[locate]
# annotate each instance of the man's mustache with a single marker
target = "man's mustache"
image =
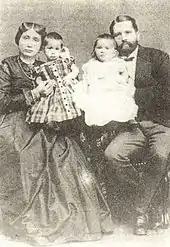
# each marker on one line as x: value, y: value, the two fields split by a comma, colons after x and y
x: 126, y: 43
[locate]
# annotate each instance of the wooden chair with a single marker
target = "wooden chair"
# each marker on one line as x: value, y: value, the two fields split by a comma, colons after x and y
x: 94, y: 145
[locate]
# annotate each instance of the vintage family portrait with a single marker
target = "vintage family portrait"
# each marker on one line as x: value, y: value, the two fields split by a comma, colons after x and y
x: 84, y: 123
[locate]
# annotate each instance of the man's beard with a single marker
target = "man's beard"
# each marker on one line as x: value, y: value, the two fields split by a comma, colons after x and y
x: 128, y: 49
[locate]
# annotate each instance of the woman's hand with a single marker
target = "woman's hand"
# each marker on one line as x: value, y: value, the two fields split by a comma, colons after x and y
x: 44, y: 88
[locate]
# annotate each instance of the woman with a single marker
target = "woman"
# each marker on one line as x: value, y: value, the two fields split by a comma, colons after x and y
x: 45, y: 186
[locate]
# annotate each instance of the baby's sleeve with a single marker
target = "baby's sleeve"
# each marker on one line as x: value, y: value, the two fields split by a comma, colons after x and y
x: 65, y: 53
x: 86, y: 72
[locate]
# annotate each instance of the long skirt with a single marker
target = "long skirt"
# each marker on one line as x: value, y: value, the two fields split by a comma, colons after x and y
x: 46, y: 187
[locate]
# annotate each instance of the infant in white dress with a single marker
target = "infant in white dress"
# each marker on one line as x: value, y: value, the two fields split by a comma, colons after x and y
x: 106, y: 92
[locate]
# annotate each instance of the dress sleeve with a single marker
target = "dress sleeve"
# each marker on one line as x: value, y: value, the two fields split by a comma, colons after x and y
x: 9, y: 101
x: 68, y: 58
x: 85, y: 72
x: 72, y: 60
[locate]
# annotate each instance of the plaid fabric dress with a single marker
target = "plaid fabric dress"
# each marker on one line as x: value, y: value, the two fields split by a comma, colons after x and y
x: 59, y: 105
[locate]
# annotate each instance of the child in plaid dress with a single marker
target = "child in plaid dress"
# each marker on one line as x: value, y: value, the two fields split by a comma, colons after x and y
x: 60, y: 67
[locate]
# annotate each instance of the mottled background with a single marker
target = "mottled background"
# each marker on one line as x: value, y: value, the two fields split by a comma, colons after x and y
x: 80, y: 21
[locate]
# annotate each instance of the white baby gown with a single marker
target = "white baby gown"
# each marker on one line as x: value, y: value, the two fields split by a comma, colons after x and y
x: 106, y: 93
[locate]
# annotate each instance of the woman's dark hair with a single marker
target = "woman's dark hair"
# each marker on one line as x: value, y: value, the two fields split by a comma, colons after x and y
x: 25, y: 26
x: 52, y: 35
x: 121, y: 18
x: 102, y: 36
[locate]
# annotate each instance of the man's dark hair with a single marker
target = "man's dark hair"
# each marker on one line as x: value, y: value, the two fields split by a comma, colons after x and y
x: 121, y: 18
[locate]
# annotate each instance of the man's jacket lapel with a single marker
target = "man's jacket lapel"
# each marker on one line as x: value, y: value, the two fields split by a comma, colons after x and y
x: 143, y: 69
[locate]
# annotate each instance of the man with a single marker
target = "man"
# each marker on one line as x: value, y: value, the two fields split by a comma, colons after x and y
x: 149, y: 69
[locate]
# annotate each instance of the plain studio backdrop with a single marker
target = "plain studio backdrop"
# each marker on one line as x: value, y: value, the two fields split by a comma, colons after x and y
x: 81, y: 21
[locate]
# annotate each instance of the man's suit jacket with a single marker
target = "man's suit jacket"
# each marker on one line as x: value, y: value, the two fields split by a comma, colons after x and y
x: 152, y: 82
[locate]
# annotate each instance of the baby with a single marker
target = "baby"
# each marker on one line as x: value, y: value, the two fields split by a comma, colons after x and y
x: 106, y: 92
x: 60, y: 67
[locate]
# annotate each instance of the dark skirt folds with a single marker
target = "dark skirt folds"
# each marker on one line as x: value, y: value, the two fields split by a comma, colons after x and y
x: 46, y: 187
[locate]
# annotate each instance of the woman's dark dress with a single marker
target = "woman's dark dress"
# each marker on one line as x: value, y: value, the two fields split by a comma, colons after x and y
x: 46, y: 188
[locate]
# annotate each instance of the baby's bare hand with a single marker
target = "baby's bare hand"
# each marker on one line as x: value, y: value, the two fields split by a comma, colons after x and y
x: 48, y: 88
x: 67, y: 79
x: 44, y: 88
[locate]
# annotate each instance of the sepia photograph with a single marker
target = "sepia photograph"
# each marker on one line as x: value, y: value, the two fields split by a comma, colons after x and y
x: 85, y: 123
